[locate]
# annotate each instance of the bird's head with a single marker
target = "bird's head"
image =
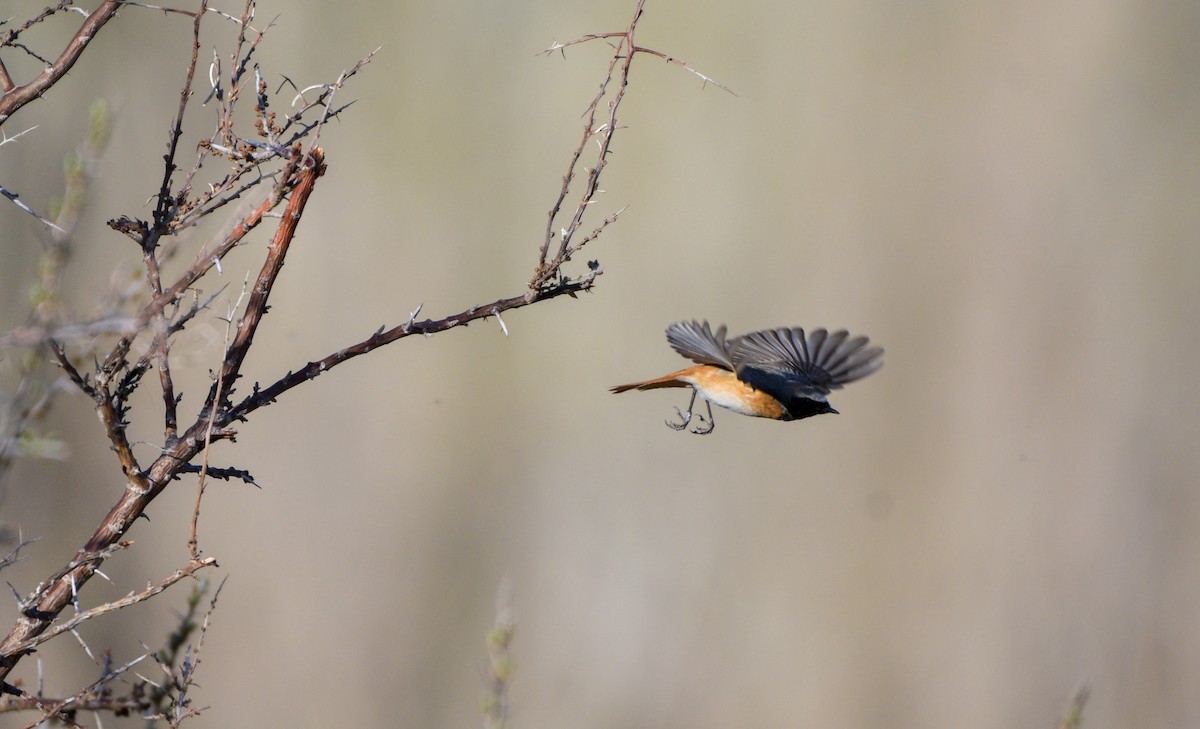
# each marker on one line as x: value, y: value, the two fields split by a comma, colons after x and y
x: 806, y: 407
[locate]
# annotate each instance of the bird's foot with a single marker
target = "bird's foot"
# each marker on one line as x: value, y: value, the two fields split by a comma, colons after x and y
x: 684, y: 419
x: 700, y: 429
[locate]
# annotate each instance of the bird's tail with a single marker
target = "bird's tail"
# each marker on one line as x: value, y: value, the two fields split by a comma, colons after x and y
x: 664, y: 381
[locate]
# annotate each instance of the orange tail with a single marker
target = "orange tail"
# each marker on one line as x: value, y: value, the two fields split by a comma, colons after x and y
x: 664, y: 381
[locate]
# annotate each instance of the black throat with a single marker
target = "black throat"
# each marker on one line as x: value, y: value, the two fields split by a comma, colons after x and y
x: 802, y: 407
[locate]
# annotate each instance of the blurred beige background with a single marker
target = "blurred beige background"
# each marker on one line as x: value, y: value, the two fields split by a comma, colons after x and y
x: 1004, y: 196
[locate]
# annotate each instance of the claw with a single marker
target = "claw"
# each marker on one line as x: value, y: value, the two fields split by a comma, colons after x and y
x: 686, y: 418
x: 712, y: 423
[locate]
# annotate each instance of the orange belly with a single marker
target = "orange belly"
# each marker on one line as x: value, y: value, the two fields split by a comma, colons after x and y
x: 722, y: 387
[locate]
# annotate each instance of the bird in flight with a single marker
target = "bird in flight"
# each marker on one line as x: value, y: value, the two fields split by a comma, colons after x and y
x: 783, y: 373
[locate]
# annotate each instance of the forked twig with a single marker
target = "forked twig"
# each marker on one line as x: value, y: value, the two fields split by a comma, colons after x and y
x: 625, y: 49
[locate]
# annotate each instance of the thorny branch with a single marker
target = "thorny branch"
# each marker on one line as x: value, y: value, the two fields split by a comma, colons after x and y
x: 95, y: 697
x: 549, y: 280
x: 148, y: 698
x: 170, y: 697
x: 16, y: 200
x: 278, y: 160
x: 114, y: 380
x: 193, y: 540
x: 132, y: 598
x: 624, y: 51
x: 14, y: 97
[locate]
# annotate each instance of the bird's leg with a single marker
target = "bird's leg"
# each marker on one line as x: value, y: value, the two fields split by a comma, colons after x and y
x: 701, y: 430
x: 684, y: 417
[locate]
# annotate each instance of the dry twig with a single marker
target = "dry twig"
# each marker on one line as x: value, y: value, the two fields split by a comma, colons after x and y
x: 14, y: 96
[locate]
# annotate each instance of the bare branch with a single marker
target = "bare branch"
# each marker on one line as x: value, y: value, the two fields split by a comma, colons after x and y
x: 429, y: 327
x: 284, y: 155
x: 165, y: 208
x: 181, y: 11
x: 14, y: 554
x: 52, y: 596
x: 14, y: 197
x: 547, y: 268
x: 133, y: 598
x: 312, y: 167
x: 170, y: 700
x: 556, y: 46
x: 323, y: 101
x: 683, y: 64
x: 222, y: 473
x: 624, y: 50
x: 193, y: 540
x: 88, y: 698
x: 17, y: 96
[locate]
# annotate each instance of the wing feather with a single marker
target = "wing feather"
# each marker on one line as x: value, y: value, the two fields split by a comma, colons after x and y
x: 786, y: 363
x: 697, y: 341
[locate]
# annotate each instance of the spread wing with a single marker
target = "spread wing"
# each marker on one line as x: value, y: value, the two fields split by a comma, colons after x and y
x: 786, y: 364
x: 697, y: 342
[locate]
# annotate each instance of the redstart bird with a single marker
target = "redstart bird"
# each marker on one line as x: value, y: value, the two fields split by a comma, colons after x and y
x: 782, y: 373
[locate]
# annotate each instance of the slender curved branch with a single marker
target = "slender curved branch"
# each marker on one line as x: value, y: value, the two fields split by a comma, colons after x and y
x: 429, y: 327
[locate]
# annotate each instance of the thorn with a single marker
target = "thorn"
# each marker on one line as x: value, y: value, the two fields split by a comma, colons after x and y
x: 503, y: 326
x: 214, y: 70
